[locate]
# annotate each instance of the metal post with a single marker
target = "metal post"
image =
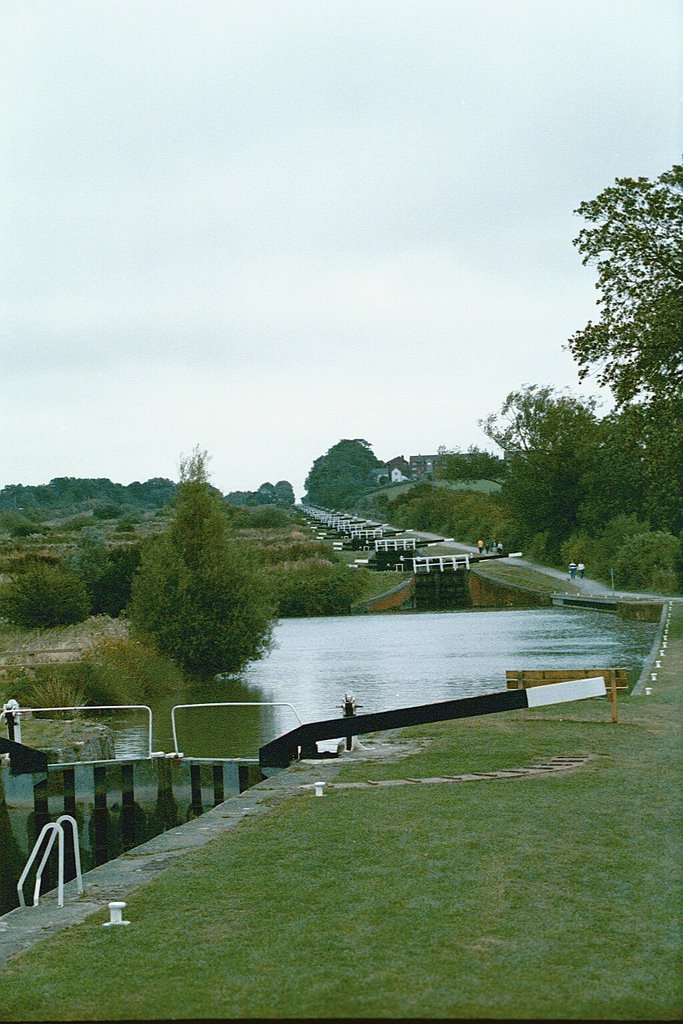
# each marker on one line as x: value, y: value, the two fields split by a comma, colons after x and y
x: 13, y: 720
x: 349, y: 706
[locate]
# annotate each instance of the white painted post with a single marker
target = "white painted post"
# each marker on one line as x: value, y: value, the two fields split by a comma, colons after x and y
x: 116, y: 908
x: 319, y: 787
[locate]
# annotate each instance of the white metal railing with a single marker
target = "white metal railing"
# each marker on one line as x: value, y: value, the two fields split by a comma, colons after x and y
x: 394, y: 544
x: 230, y: 704
x: 57, y: 832
x: 97, y: 707
x: 424, y: 563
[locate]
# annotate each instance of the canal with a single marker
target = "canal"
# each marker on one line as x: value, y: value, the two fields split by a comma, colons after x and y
x: 387, y: 661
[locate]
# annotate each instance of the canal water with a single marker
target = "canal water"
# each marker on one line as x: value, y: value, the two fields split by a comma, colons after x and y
x: 387, y: 661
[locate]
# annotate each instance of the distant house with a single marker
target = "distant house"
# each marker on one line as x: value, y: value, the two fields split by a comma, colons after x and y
x: 398, y: 469
x: 424, y: 467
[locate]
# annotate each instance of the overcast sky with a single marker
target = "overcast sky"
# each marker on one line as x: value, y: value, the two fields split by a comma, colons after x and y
x: 263, y: 226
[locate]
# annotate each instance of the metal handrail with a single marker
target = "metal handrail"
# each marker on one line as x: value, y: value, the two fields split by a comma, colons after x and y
x: 231, y: 704
x: 57, y: 830
x: 98, y: 707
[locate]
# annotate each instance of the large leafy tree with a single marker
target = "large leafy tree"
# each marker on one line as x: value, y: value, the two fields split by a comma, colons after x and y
x: 550, y: 441
x: 634, y: 238
x: 199, y: 597
x: 341, y: 475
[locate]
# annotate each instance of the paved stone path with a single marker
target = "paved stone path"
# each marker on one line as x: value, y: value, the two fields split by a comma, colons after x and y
x: 552, y: 764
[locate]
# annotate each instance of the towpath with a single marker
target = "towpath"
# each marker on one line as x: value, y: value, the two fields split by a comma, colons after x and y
x: 585, y: 586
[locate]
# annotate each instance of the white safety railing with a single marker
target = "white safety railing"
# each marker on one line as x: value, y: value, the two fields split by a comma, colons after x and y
x: 230, y: 704
x: 97, y: 707
x: 396, y: 544
x: 424, y: 563
x: 56, y: 830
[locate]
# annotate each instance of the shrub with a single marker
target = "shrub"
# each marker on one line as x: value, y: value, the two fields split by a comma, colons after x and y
x: 316, y: 588
x: 129, y: 672
x: 56, y: 689
x: 110, y: 593
x: 269, y: 517
x: 107, y: 511
x: 117, y: 671
x: 649, y: 561
x: 45, y: 596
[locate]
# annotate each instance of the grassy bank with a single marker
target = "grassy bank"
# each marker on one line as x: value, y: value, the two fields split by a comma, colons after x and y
x: 537, y: 897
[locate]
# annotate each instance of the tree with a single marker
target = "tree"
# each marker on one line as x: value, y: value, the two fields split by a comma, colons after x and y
x: 284, y: 493
x: 636, y: 243
x: 341, y: 475
x: 200, y: 598
x: 472, y: 465
x: 551, y: 439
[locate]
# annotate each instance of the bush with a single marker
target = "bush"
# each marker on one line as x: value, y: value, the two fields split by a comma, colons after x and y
x: 268, y: 517
x: 649, y: 561
x: 316, y: 588
x: 45, y: 596
x: 110, y: 593
x: 107, y: 511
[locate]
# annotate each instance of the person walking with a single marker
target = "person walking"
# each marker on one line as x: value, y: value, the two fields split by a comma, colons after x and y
x: 581, y: 570
x: 572, y: 569
x: 480, y: 545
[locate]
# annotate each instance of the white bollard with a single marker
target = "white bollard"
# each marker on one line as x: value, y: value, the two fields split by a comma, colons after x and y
x: 319, y: 787
x: 648, y: 691
x: 116, y: 909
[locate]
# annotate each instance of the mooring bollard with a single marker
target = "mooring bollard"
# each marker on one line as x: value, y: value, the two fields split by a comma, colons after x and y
x: 116, y: 909
x: 648, y: 691
x: 319, y: 787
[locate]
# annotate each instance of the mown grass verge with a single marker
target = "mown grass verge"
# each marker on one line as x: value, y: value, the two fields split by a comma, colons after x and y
x: 523, y: 576
x: 541, y: 897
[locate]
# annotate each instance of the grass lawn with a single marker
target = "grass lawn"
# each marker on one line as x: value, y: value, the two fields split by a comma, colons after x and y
x: 540, y: 897
x: 524, y: 576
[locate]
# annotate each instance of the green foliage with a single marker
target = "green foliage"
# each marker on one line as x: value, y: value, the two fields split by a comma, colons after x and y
x: 641, y: 558
x: 635, y: 240
x: 44, y: 595
x: 267, y: 517
x: 282, y: 493
x: 106, y: 572
x: 106, y: 510
x: 552, y: 440
x: 73, y: 492
x: 89, y: 559
x: 464, y: 515
x: 116, y: 671
x: 649, y: 561
x: 203, y: 601
x: 316, y: 587
x: 111, y: 592
x: 128, y: 671
x: 472, y: 465
x: 342, y: 474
